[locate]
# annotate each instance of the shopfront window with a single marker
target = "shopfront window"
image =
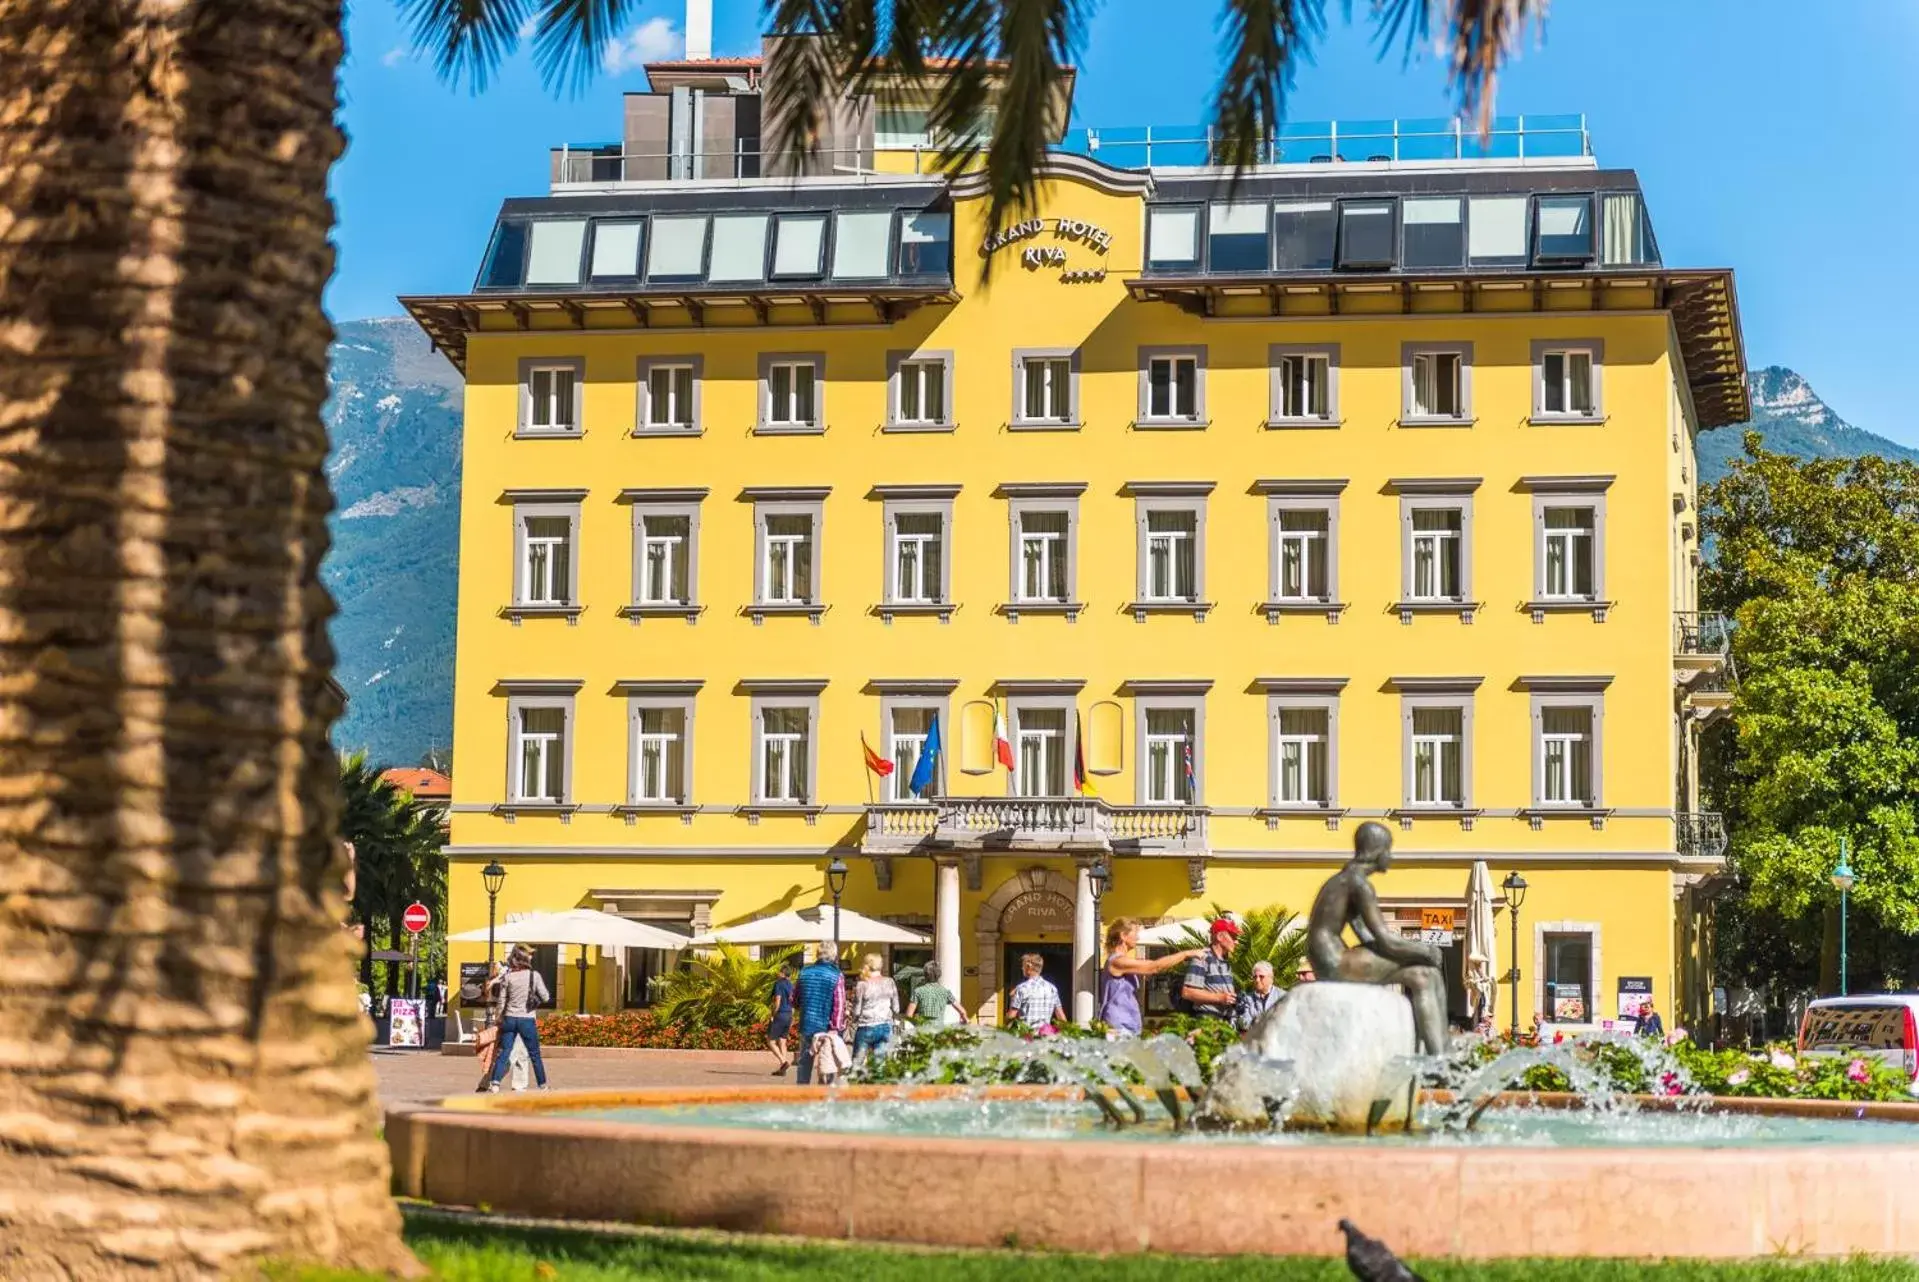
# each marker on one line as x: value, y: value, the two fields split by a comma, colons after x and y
x: 1569, y: 977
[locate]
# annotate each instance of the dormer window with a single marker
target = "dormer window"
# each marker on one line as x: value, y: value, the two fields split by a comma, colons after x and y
x: 1565, y: 229
x: 1366, y: 234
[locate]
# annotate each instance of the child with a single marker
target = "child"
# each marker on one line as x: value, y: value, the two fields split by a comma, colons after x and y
x: 1035, y: 1001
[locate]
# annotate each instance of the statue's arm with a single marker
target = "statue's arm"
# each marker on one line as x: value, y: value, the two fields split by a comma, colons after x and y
x: 1388, y: 942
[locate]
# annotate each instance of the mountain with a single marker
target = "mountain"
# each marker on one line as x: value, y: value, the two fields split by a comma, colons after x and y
x: 1793, y: 420
x: 393, y: 414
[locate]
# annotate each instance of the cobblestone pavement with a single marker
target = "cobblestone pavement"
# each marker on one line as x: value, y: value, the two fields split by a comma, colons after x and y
x: 420, y: 1076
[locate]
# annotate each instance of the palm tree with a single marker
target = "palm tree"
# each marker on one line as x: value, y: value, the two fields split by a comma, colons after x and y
x: 1271, y: 934
x: 187, y: 1085
x: 723, y: 989
x: 401, y: 853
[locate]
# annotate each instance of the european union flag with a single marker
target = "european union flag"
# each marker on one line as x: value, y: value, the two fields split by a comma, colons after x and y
x: 926, y: 768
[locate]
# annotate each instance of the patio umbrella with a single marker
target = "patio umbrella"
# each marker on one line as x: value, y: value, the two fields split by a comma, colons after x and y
x: 810, y: 926
x: 1172, y: 934
x: 585, y: 926
x: 1480, y: 944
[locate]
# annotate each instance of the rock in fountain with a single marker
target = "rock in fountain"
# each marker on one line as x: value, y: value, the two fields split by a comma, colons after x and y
x: 1341, y: 1039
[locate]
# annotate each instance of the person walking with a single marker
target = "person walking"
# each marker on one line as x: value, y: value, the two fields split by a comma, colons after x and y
x: 1264, y: 995
x: 1209, y: 988
x: 876, y: 1004
x: 522, y: 991
x: 1035, y: 999
x: 819, y: 1003
x: 1120, y: 1007
x: 781, y: 1025
x: 933, y: 1002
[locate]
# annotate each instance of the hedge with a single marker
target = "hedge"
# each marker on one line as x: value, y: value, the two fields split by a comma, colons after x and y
x: 642, y: 1030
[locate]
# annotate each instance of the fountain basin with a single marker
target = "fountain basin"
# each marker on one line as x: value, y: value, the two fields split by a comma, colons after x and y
x: 658, y: 1159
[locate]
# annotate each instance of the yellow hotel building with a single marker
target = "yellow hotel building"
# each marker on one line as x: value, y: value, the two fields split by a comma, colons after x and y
x: 1364, y: 489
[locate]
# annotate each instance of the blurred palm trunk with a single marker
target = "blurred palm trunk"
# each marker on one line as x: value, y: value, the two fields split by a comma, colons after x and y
x: 184, y: 1084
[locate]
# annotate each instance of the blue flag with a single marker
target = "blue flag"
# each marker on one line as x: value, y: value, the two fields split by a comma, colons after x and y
x: 926, y: 767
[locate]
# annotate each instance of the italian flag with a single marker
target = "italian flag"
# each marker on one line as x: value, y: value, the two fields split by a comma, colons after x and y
x: 1002, y: 745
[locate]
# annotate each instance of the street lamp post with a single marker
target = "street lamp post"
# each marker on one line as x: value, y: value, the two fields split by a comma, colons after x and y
x: 1842, y: 877
x: 1515, y: 888
x: 494, y: 877
x: 1099, y: 879
x: 836, y: 883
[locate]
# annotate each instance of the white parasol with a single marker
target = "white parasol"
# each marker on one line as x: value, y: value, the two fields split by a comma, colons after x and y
x: 584, y: 926
x: 810, y: 926
x: 1480, y: 944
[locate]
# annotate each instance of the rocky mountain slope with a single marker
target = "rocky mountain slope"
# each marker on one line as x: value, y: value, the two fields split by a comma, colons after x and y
x: 1793, y: 420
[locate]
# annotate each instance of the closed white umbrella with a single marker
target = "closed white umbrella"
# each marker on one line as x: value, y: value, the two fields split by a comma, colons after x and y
x: 810, y: 926
x: 1481, y: 947
x: 584, y: 926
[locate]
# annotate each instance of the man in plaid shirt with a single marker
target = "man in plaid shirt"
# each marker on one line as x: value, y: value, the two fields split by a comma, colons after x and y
x: 1035, y: 1001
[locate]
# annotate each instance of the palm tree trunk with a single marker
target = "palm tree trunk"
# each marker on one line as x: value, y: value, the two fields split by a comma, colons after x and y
x: 184, y: 1085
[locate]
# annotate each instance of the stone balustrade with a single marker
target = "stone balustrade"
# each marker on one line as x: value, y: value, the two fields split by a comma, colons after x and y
x: 1030, y: 823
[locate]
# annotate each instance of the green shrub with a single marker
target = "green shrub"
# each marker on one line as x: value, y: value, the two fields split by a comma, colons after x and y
x: 725, y: 988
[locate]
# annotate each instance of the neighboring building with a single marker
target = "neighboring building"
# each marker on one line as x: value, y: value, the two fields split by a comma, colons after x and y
x: 427, y: 786
x: 1363, y: 489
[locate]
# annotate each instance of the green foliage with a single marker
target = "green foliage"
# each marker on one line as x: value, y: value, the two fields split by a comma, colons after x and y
x: 399, y: 852
x: 725, y: 988
x: 644, y: 1030
x: 1272, y: 934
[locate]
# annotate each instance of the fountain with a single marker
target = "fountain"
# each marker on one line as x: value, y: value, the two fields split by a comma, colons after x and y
x: 1340, y: 1102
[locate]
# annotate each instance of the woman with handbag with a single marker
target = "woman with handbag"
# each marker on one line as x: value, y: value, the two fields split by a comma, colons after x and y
x: 870, y: 1015
x: 522, y: 992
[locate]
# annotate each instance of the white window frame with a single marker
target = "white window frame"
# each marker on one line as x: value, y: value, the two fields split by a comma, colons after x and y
x: 902, y: 365
x: 922, y: 696
x: 562, y: 505
x: 1017, y: 708
x: 649, y: 504
x: 1188, y: 697
x: 539, y: 695
x: 1589, y: 695
x: 690, y: 422
x: 1021, y: 500
x: 1054, y: 355
x: 1409, y: 414
x: 1277, y: 357
x: 1421, y: 694
x: 1173, y: 358
x: 1302, y: 694
x: 1426, y: 494
x: 916, y: 500
x: 771, y: 426
x: 1183, y: 497
x: 802, y: 695
x: 1312, y: 496
x: 531, y: 366
x: 1568, y: 492
x: 770, y: 502
x: 672, y: 696
x: 1594, y: 350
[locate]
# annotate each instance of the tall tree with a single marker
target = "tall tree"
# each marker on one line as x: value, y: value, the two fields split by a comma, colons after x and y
x: 1818, y: 561
x: 401, y: 849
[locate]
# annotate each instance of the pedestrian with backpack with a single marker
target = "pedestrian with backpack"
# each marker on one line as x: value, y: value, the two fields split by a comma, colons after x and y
x: 1209, y: 988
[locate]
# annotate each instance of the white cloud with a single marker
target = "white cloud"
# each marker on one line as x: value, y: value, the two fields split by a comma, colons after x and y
x: 654, y: 40
x: 394, y: 56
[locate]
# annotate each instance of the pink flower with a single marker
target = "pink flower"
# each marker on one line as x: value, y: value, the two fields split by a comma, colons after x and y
x: 1558, y: 1038
x: 1739, y: 1077
x: 1781, y: 1059
x: 1669, y: 1084
x: 1858, y: 1072
x: 1676, y: 1036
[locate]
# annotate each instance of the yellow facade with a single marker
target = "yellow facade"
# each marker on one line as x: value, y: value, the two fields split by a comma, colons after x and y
x: 1612, y: 870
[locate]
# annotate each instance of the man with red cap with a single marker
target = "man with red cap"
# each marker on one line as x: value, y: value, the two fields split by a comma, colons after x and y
x: 1208, y: 987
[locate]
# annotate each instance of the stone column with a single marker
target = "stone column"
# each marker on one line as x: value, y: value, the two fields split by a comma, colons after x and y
x: 1085, y: 947
x: 946, y: 923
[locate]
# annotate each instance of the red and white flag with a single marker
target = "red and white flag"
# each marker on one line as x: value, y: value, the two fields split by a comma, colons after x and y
x: 1002, y: 746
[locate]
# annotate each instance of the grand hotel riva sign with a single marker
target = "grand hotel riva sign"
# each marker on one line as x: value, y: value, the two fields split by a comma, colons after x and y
x: 1074, y: 231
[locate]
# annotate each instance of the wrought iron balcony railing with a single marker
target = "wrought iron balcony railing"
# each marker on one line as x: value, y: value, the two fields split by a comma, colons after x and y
x: 1700, y: 834
x: 1031, y: 823
x: 1701, y: 634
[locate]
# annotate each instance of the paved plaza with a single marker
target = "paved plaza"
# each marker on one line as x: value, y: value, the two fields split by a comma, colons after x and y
x: 420, y: 1076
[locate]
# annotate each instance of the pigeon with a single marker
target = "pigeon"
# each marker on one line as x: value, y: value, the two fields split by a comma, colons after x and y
x: 1371, y: 1260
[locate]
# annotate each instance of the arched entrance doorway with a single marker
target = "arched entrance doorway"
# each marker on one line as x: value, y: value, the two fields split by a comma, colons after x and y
x: 1030, y: 912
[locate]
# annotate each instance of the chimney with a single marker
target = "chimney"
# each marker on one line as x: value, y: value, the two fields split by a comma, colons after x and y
x: 699, y: 30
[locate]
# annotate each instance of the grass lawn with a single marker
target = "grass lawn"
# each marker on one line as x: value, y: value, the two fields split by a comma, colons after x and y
x: 471, y: 1251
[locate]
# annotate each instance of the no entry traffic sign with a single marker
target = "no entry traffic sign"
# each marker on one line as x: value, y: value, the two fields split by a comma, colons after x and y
x: 416, y: 917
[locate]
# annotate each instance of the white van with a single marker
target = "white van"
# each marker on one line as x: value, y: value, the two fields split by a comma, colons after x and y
x: 1882, y: 1025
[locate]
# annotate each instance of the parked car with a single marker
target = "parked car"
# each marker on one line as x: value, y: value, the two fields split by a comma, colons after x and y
x: 1882, y: 1025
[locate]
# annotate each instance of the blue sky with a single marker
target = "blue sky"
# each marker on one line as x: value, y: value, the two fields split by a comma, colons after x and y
x: 1767, y: 142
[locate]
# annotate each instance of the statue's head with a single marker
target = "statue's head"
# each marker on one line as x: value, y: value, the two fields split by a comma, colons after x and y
x: 1373, y: 844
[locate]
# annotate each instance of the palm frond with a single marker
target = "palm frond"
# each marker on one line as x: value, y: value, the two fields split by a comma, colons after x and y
x: 466, y: 39
x: 825, y: 47
x: 1477, y: 37
x: 1039, y: 40
x: 571, y: 38
x: 1264, y: 41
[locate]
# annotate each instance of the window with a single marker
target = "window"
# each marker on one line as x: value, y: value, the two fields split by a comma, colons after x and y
x: 862, y: 243
x: 1304, y: 232
x: 739, y: 248
x: 1566, y: 561
x: 1366, y: 234
x: 1303, y: 387
x: 926, y: 244
x: 558, y: 248
x: 1170, y: 775
x: 1236, y: 238
x: 669, y: 395
x: 1039, y: 751
x: 906, y: 734
x: 788, y: 570
x: 900, y: 128
x: 1045, y: 552
x: 1434, y: 234
x: 1172, y: 386
x: 505, y: 258
x: 540, y: 752
x: 790, y: 393
x: 1437, y: 386
x: 918, y: 559
x: 784, y: 755
x: 1438, y: 757
x: 1565, y: 228
x: 545, y: 573
x: 1568, y: 968
x: 1172, y: 236
x: 1566, y: 756
x: 677, y: 249
x: 1302, y: 752
x: 666, y: 558
x: 1436, y: 547
x: 787, y: 524
x: 1623, y: 225
x: 659, y: 755
x: 1569, y: 544
x: 1044, y: 391
x: 550, y: 397
x: 919, y: 383
x: 799, y: 244
x: 1496, y: 231
x: 616, y: 249
x: 1303, y: 553
x: 1438, y: 553
x: 1566, y: 380
x: 1172, y: 542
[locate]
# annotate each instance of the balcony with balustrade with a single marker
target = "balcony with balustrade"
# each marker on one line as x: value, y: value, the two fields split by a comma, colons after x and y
x: 1700, y: 834
x: 1060, y: 825
x: 1701, y: 642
